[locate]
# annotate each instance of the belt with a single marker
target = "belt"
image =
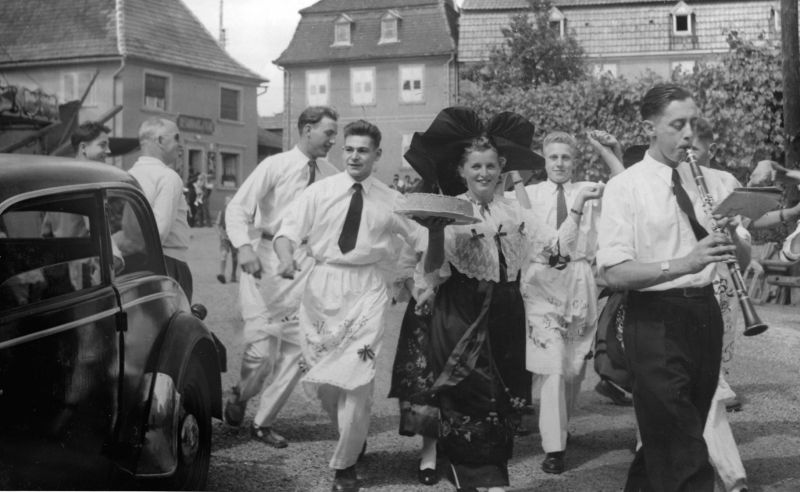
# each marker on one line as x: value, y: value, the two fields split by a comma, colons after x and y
x: 708, y: 290
x: 270, y: 237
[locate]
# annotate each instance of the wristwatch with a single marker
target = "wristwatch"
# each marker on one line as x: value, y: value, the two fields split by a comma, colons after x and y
x: 665, y: 266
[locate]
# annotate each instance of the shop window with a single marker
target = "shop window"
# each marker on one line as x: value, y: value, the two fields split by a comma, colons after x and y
x: 156, y: 89
x: 230, y: 169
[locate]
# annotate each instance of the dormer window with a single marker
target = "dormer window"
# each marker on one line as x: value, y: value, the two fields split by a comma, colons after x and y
x: 682, y: 20
x: 558, y: 22
x: 343, y: 26
x: 389, y: 23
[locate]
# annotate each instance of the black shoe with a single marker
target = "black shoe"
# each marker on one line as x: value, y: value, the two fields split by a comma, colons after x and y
x: 345, y: 480
x: 616, y: 395
x: 733, y: 405
x: 362, y: 453
x: 268, y: 436
x: 221, y: 278
x: 234, y: 409
x: 553, y: 463
x: 428, y: 476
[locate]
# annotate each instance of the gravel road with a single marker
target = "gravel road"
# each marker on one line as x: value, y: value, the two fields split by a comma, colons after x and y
x: 602, y: 435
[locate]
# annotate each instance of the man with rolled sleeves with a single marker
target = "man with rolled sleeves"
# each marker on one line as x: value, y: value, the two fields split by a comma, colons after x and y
x: 272, y: 356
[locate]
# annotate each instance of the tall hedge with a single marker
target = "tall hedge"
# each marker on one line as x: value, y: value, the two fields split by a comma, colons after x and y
x: 740, y: 95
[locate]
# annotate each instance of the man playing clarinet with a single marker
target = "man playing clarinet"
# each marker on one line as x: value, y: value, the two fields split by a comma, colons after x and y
x: 654, y: 241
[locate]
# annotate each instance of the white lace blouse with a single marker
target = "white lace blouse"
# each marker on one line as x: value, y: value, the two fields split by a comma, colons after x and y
x: 473, y: 249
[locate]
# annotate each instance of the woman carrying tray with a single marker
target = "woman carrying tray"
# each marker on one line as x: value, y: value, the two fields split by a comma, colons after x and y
x: 477, y: 325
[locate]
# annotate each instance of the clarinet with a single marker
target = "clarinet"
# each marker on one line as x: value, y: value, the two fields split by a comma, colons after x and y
x: 752, y: 323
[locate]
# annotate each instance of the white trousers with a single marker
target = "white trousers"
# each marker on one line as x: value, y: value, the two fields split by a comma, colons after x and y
x: 285, y: 373
x: 558, y: 395
x: 349, y: 411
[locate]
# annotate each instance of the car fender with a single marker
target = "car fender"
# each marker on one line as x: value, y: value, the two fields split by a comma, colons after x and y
x: 185, y: 337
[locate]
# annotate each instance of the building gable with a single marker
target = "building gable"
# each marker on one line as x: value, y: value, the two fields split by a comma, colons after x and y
x: 42, y: 31
x: 425, y: 28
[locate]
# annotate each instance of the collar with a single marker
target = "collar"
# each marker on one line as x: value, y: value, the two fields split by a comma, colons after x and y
x: 297, y: 154
x: 152, y: 161
x: 553, y: 187
x: 366, y: 184
x: 654, y: 167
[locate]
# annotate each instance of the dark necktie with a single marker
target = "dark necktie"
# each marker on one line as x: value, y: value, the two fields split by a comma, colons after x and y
x: 312, y: 171
x: 561, y: 206
x: 685, y: 203
x: 347, y: 239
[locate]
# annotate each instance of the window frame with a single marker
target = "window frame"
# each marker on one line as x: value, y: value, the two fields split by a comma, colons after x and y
x: 239, y: 105
x: 393, y: 18
x: 373, y: 96
x: 312, y: 100
x: 167, y: 91
x: 681, y: 9
x: 408, y: 67
x: 144, y: 214
x: 342, y: 24
x: 98, y: 238
x: 91, y: 97
x: 239, y: 152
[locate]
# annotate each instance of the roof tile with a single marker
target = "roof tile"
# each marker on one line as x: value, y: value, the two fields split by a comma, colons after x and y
x: 75, y: 29
x: 422, y: 31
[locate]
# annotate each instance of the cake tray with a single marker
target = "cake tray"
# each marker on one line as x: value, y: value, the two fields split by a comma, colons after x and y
x: 460, y: 219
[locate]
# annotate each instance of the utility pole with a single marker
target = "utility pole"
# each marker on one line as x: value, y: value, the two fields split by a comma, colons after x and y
x: 222, y: 39
x: 791, y: 79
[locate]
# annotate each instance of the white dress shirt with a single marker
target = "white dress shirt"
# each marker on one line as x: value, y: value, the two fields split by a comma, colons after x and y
x: 319, y: 213
x: 544, y: 200
x: 641, y: 219
x: 163, y: 189
x: 270, y: 188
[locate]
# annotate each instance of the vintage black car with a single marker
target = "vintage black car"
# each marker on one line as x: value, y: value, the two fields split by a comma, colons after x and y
x: 105, y: 374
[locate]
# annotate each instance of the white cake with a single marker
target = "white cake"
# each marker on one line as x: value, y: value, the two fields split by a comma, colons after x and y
x: 428, y: 204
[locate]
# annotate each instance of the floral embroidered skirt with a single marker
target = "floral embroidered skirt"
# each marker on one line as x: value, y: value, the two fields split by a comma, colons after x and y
x: 412, y: 377
x: 477, y: 353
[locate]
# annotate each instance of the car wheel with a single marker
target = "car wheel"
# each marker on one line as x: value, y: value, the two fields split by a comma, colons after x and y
x: 194, y: 430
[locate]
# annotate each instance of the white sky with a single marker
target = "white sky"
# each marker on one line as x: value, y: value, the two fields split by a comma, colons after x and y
x: 257, y: 32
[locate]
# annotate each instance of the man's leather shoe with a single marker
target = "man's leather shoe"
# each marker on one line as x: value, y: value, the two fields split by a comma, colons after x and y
x: 268, y: 436
x: 733, y: 405
x: 345, y: 480
x: 362, y: 453
x: 616, y: 395
x: 428, y: 476
x: 234, y: 409
x: 553, y: 463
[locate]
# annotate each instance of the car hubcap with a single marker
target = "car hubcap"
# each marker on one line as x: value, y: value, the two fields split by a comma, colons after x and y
x: 190, y: 438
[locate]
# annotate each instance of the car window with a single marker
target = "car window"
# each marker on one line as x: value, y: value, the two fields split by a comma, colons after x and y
x: 129, y: 237
x: 48, y: 249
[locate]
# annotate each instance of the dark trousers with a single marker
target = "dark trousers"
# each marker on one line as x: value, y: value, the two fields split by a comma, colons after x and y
x: 179, y: 270
x: 673, y: 344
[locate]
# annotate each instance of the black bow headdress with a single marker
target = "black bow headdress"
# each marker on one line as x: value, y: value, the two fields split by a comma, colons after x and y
x: 435, y: 153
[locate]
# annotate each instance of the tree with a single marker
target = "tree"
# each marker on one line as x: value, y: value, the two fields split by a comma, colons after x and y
x: 534, y: 53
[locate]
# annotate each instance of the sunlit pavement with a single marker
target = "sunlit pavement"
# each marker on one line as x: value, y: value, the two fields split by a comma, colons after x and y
x: 766, y: 375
